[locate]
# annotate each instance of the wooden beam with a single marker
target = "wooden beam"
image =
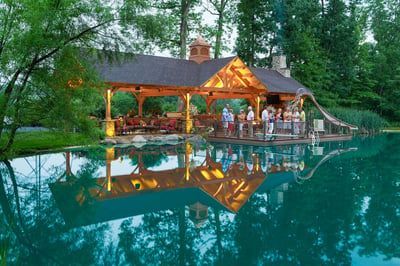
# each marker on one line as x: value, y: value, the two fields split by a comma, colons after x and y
x: 141, y: 100
x: 239, y: 75
x: 230, y: 96
x: 251, y: 89
x: 209, y: 102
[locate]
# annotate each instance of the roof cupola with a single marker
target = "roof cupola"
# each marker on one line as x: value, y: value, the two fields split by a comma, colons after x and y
x: 199, y: 50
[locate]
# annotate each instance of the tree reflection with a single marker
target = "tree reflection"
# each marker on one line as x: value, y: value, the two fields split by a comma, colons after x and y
x: 351, y: 204
x: 39, y: 236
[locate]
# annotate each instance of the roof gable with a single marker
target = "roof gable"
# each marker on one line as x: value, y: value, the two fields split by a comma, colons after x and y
x: 234, y: 75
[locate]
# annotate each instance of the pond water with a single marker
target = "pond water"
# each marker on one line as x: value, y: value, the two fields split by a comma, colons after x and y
x: 205, y: 204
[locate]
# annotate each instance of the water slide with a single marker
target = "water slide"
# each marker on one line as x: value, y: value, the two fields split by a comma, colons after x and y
x: 326, y: 158
x: 324, y: 112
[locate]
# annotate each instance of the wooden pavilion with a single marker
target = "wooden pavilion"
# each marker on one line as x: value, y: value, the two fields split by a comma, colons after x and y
x: 225, y: 78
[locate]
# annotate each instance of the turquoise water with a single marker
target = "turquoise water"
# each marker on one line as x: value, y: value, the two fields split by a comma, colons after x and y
x: 205, y: 204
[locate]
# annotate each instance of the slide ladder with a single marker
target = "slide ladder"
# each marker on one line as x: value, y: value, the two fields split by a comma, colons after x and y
x: 303, y: 92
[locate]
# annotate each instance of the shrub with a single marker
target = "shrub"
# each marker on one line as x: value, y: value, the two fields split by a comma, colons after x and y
x: 367, y: 121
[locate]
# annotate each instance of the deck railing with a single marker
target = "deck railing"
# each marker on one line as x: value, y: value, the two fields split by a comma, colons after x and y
x: 237, y: 129
x: 260, y: 130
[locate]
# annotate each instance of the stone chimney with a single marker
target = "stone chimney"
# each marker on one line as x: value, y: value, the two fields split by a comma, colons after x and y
x: 199, y: 50
x: 279, y: 64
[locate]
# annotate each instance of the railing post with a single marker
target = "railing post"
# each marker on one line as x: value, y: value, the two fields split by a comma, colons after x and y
x: 265, y: 125
x: 250, y: 126
x: 292, y: 127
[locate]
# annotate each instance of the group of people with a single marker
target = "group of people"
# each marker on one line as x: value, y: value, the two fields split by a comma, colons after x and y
x: 274, y: 121
x: 287, y: 122
x: 228, y: 120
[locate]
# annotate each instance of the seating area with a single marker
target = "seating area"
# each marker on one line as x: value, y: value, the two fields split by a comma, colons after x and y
x: 128, y: 125
x: 172, y: 122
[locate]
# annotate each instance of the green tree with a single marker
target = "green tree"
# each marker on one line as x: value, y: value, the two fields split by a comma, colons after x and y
x: 257, y: 31
x: 35, y: 34
x: 340, y: 39
x: 179, y: 19
x: 301, y: 42
x: 384, y: 25
x: 223, y: 10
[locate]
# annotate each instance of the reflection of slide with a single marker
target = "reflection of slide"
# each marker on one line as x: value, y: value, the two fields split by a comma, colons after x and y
x: 327, y: 157
x: 326, y: 114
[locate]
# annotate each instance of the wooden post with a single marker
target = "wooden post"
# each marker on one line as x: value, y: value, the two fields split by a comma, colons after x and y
x: 187, y: 118
x: 209, y: 102
x: 109, y: 157
x: 188, y: 151
x: 257, y: 116
x: 108, y: 174
x: 140, y: 105
x: 108, y: 104
x: 109, y: 123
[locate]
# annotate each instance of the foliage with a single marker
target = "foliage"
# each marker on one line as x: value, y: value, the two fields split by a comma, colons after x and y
x: 224, y: 10
x: 346, y: 52
x: 257, y: 30
x: 366, y: 121
x: 122, y: 103
x: 179, y: 18
x: 43, y: 79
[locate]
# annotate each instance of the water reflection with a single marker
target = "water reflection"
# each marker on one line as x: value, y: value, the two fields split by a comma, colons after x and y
x: 212, y: 204
x: 220, y: 176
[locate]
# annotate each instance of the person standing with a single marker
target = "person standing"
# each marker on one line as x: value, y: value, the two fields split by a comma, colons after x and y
x: 241, y: 119
x: 278, y: 120
x: 287, y: 120
x: 264, y: 119
x: 271, y: 121
x: 231, y: 123
x: 225, y: 119
x: 250, y: 119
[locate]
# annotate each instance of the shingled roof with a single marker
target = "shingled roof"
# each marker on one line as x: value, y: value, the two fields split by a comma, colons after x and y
x: 275, y: 81
x: 165, y: 71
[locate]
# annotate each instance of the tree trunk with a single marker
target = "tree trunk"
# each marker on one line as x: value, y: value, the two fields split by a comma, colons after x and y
x: 7, y: 96
x: 323, y: 8
x: 185, y: 6
x: 220, y: 29
x: 18, y: 96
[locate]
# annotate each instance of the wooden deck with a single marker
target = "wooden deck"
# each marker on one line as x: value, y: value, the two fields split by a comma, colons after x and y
x: 278, y: 141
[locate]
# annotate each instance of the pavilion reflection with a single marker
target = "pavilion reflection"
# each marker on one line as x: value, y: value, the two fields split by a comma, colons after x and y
x: 227, y: 183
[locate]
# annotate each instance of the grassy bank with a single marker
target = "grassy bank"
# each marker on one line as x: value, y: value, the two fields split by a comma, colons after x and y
x: 31, y: 142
